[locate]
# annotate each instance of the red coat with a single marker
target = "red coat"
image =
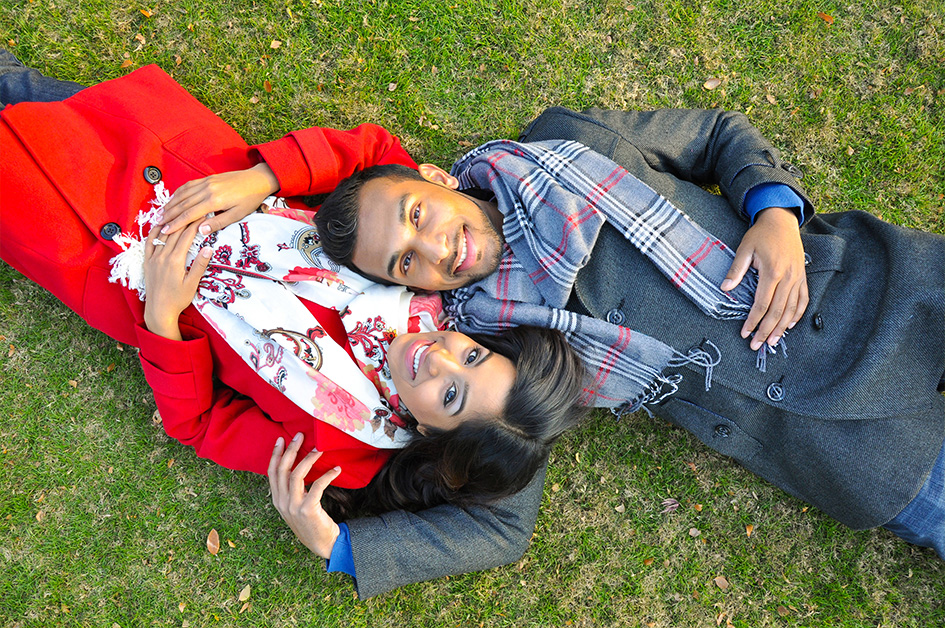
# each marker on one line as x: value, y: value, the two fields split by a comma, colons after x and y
x: 72, y: 173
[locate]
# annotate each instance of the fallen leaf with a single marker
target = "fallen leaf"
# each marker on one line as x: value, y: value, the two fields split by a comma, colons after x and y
x: 413, y: 19
x: 712, y: 83
x: 555, y: 487
x: 110, y: 368
x: 783, y: 612
x: 275, y: 44
x: 771, y: 99
x: 648, y: 562
x: 125, y: 64
x: 139, y: 37
x: 177, y: 60
x: 254, y: 100
x: 230, y: 543
x: 620, y: 508
x: 669, y: 505
x: 245, y: 606
x: 182, y: 606
x: 391, y: 87
x: 156, y: 418
x: 146, y: 13
x: 721, y: 582
x: 40, y: 515
x: 749, y: 529
x: 693, y: 532
x: 267, y: 86
x: 244, y: 594
x: 849, y: 150
x: 120, y: 347
x: 433, y: 70
x: 11, y: 42
x: 213, y: 542
x: 73, y: 383
x: 692, y: 466
x: 698, y: 507
x: 825, y: 17
x: 170, y: 463
x: 815, y: 93
x: 11, y: 351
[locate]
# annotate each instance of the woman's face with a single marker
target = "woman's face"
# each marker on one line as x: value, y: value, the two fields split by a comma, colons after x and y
x: 445, y: 378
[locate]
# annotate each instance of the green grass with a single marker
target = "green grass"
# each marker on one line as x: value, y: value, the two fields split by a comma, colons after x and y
x: 126, y: 511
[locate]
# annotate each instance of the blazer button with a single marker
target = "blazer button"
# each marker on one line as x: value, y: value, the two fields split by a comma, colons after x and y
x: 818, y: 321
x: 792, y: 170
x: 776, y: 392
x: 152, y: 174
x: 807, y: 259
x: 615, y: 317
x: 722, y: 431
x: 110, y: 230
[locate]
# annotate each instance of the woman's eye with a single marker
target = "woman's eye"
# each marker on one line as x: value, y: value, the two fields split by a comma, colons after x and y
x: 473, y: 356
x: 405, y: 265
x: 416, y: 216
x: 450, y: 395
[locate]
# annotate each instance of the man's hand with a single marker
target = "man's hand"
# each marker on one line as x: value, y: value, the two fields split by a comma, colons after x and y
x: 169, y: 286
x: 773, y: 247
x: 232, y: 196
x: 302, y: 510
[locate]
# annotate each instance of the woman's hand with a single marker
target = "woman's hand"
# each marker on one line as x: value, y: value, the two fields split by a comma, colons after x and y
x: 169, y: 286
x: 302, y: 510
x: 230, y: 195
x: 772, y: 247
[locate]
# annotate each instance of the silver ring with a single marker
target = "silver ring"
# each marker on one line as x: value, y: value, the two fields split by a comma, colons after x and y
x: 159, y: 242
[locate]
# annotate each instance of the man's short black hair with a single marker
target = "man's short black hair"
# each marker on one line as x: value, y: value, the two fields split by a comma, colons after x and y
x: 337, y: 219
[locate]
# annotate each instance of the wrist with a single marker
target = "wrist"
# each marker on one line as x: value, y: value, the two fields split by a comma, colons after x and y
x: 164, y: 326
x: 785, y: 215
x: 325, y: 548
x: 269, y: 184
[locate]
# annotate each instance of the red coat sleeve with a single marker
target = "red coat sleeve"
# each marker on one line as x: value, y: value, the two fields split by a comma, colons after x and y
x: 225, y: 426
x: 315, y: 160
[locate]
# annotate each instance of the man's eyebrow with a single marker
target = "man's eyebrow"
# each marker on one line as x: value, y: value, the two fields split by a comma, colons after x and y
x: 401, y: 218
x: 462, y: 403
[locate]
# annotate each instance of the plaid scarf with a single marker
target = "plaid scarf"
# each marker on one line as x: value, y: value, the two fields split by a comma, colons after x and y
x: 555, y: 196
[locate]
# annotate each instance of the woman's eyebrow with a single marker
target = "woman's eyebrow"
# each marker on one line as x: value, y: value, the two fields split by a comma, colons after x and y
x: 462, y: 402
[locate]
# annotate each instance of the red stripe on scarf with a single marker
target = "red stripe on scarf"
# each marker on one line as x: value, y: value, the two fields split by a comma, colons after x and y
x: 694, y: 260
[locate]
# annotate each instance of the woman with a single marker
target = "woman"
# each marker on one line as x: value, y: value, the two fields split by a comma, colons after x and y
x: 75, y: 176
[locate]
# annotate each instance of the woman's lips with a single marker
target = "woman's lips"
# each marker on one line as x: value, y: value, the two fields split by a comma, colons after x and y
x: 415, y: 357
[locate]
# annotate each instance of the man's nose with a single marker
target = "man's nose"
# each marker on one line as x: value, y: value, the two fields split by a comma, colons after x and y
x: 435, y: 246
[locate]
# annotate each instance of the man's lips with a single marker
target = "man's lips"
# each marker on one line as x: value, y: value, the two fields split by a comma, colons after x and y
x: 466, y: 255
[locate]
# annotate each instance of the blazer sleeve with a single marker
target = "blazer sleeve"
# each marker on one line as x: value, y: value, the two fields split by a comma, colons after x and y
x: 398, y: 548
x: 706, y: 147
x: 220, y: 423
x: 315, y: 160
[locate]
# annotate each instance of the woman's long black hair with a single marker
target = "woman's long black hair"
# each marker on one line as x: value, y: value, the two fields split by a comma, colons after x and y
x: 483, y: 459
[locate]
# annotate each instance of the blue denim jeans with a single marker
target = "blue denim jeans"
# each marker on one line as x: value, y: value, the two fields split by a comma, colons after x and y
x: 19, y: 83
x: 922, y: 522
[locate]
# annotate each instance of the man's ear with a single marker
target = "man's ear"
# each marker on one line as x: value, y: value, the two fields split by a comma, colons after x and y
x: 435, y: 174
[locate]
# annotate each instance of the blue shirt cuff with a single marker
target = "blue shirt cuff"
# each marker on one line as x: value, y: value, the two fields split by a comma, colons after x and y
x: 342, y: 559
x: 767, y: 195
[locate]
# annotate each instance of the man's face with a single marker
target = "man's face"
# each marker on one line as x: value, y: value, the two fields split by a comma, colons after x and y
x: 425, y: 234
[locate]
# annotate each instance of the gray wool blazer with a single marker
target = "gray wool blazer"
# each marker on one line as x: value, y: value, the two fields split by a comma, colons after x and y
x: 849, y: 421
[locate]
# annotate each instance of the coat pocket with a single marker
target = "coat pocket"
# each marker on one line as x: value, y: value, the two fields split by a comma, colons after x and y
x: 721, y: 434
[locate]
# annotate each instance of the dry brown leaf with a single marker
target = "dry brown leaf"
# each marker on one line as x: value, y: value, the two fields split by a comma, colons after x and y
x: 783, y: 612
x: 620, y: 508
x: 692, y: 466
x: 771, y: 99
x: 815, y: 93
x: 693, y: 532
x: 267, y: 86
x: 391, y: 87
x: 213, y: 542
x: 648, y: 562
x: 190, y: 27
x: 110, y: 367
x: 146, y: 13
x: 555, y: 487
x: 849, y: 150
x: 245, y: 593
x: 182, y: 606
x: 73, y: 383
x: 749, y: 529
x: 711, y: 83
x: 156, y: 418
x: 825, y: 17
x: 721, y: 582
x: 413, y: 19
x: 275, y: 44
x: 11, y: 42
x: 177, y: 60
x: 125, y: 64
x: 170, y: 463
x: 230, y: 543
x: 139, y: 37
x: 254, y: 100
x: 40, y: 515
x: 698, y: 507
x: 246, y: 606
x: 11, y: 351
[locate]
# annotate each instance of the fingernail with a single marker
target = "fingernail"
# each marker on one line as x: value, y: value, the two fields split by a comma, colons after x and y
x: 791, y: 326
x: 774, y: 341
x: 165, y: 229
x: 727, y: 285
x: 206, y: 252
x: 337, y: 469
x: 204, y: 229
x: 279, y: 442
x: 297, y: 437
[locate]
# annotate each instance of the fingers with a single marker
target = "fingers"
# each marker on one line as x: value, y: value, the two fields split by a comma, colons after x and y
x: 271, y: 472
x: 186, y: 205
x: 739, y: 267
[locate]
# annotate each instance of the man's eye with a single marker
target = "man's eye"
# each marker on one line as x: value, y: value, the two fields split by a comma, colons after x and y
x: 405, y: 265
x: 473, y: 356
x: 450, y: 395
x: 416, y: 216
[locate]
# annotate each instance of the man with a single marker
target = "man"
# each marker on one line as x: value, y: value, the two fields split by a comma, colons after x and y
x: 845, y: 413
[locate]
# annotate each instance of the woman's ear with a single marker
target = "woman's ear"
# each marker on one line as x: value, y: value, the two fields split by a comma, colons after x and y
x: 422, y: 430
x: 435, y: 174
